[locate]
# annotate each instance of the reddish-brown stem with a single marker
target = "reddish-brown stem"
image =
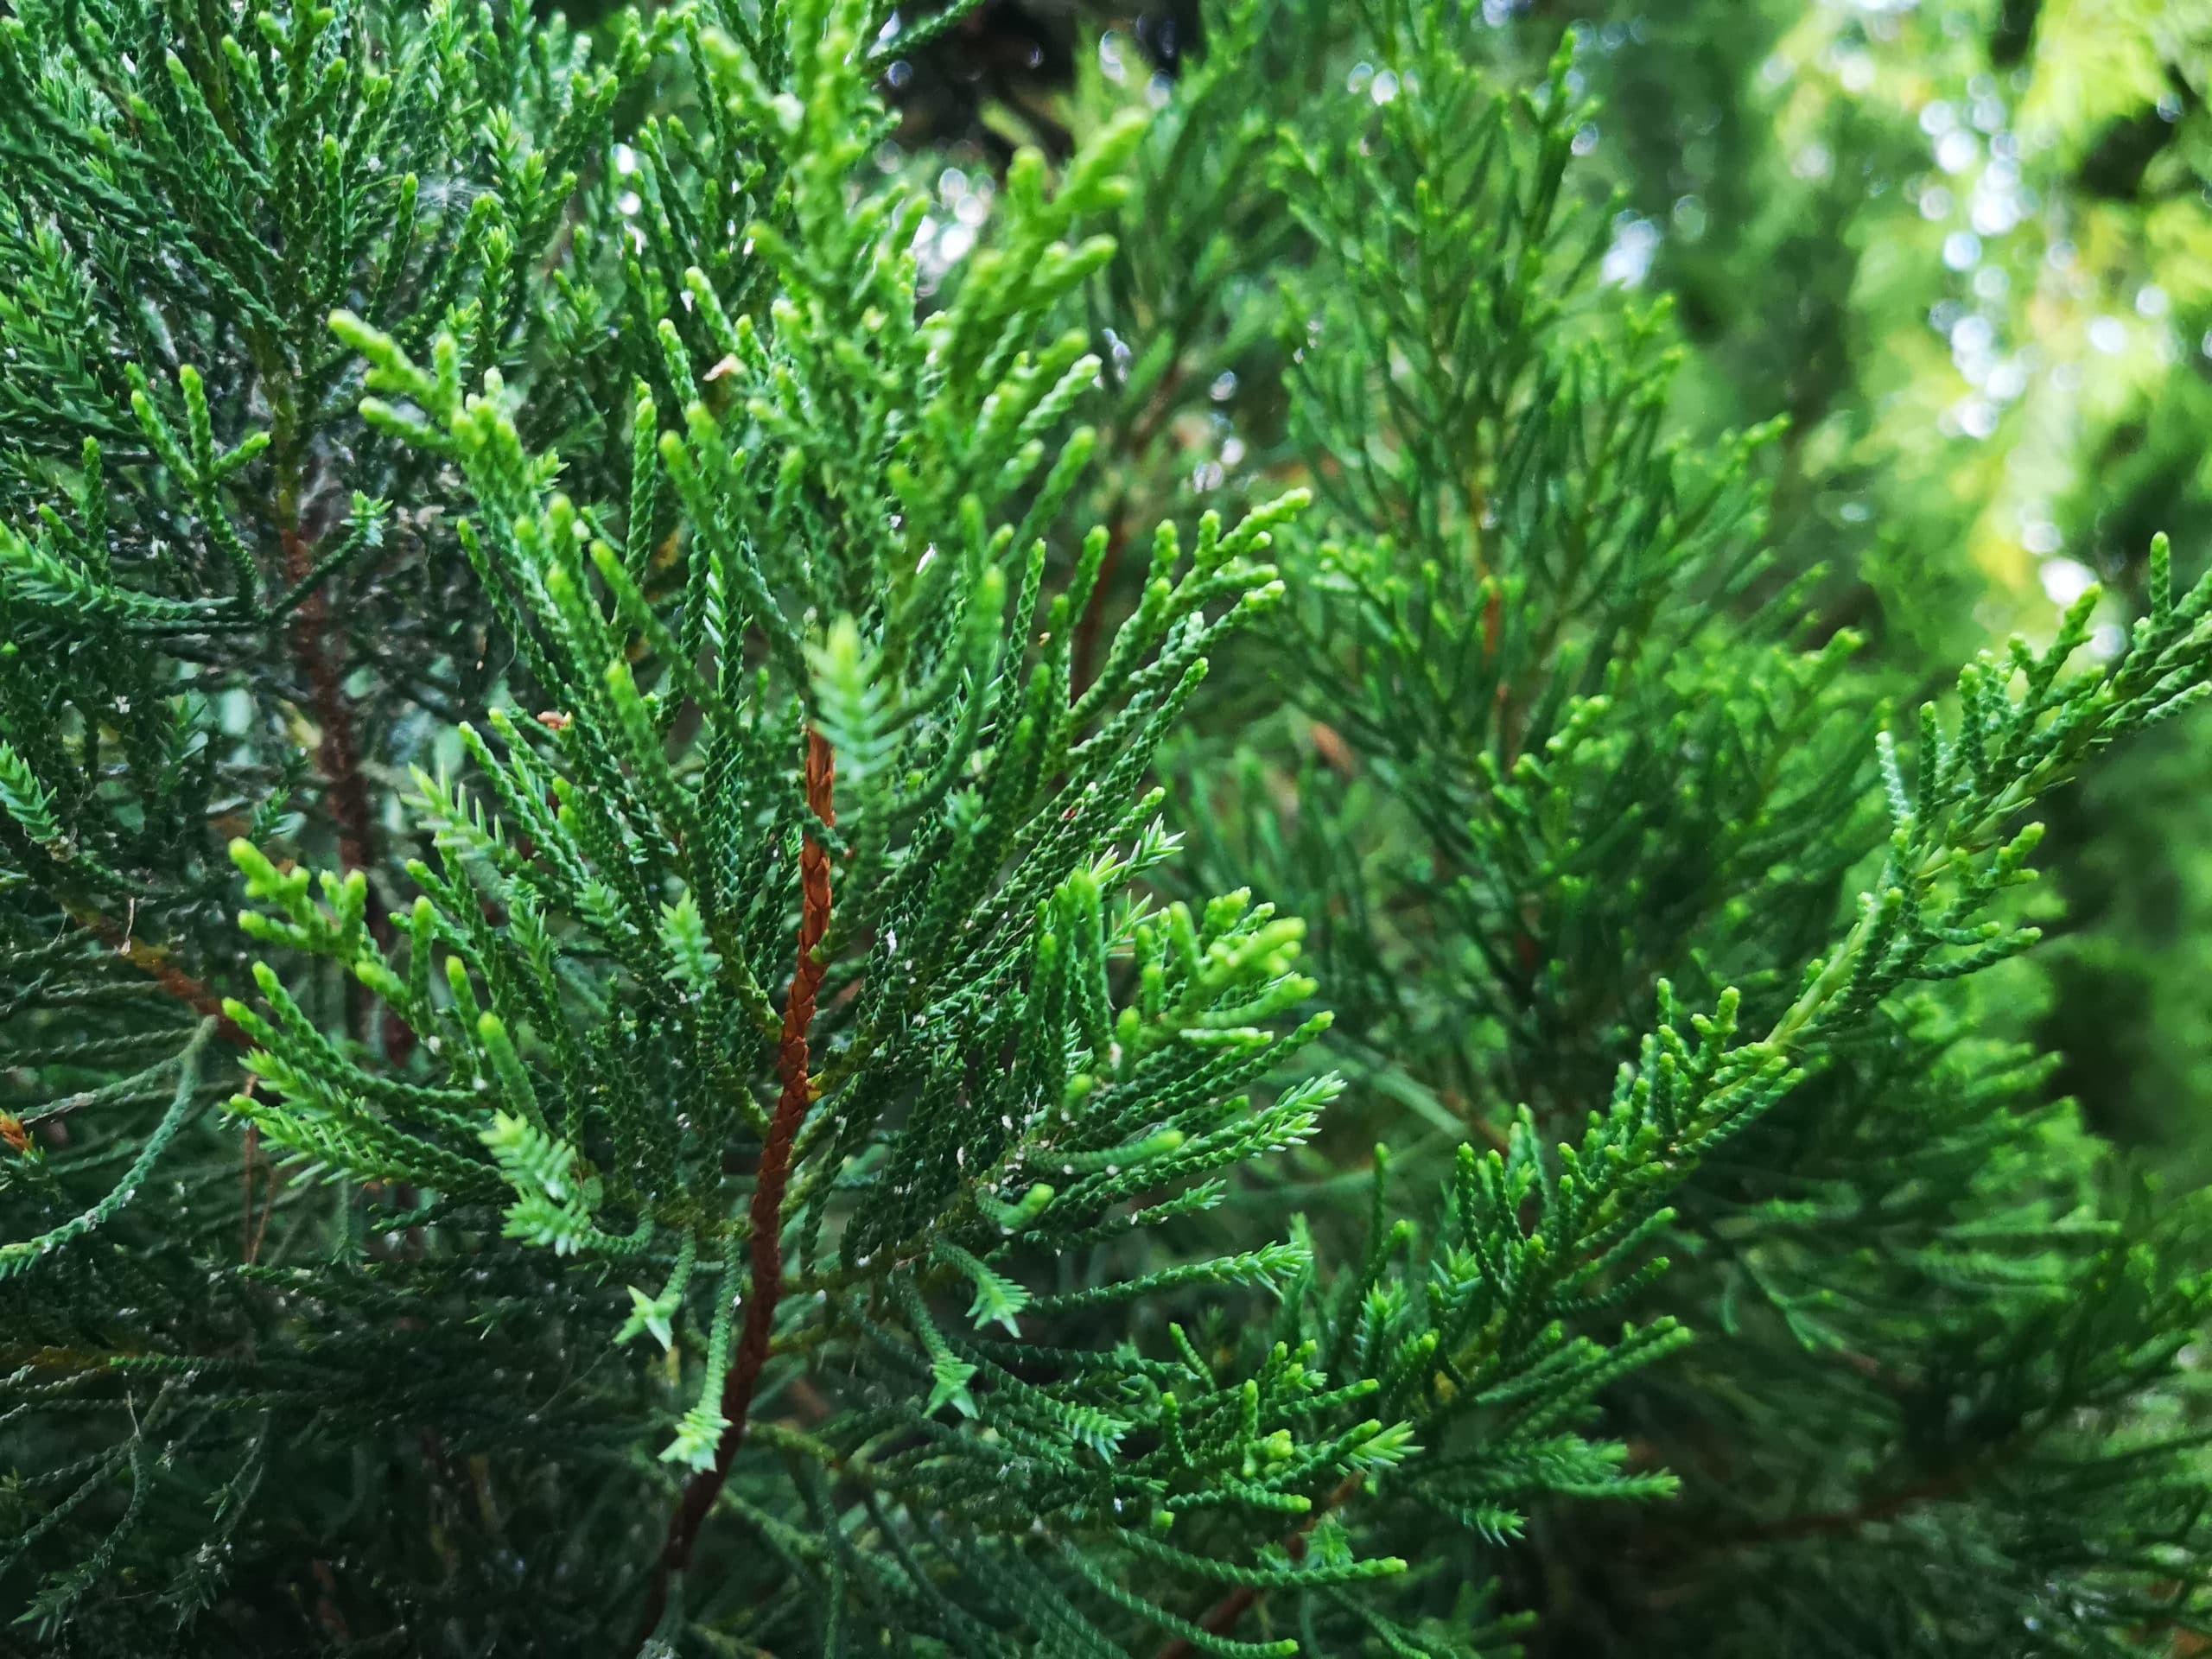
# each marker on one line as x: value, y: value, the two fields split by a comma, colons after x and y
x: 326, y: 1606
x: 257, y: 1226
x: 1872, y: 1510
x: 164, y: 972
x: 768, y: 1189
x: 1228, y: 1611
x: 339, y: 759
x: 1884, y: 1506
x: 338, y: 756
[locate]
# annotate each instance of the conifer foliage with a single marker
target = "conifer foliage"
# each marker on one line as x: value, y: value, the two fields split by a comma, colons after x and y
x: 603, y: 1053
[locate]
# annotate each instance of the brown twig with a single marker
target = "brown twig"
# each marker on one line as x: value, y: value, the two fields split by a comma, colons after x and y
x: 326, y: 1606
x: 337, y: 756
x: 157, y: 966
x: 768, y: 1188
x: 1225, y: 1614
x: 1872, y: 1510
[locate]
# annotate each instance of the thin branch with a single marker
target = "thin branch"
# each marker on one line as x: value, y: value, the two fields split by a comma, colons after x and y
x: 338, y: 755
x: 339, y: 759
x: 157, y: 966
x: 1229, y: 1611
x: 768, y: 1189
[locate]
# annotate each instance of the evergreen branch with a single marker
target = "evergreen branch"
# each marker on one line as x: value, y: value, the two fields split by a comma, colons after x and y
x: 910, y: 37
x: 338, y: 754
x: 1223, y: 1616
x: 156, y: 964
x: 769, y: 1182
x: 1539, y: 731
x: 21, y: 1256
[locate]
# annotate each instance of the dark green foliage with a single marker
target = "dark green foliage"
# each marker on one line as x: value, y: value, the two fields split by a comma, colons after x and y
x: 601, y: 1053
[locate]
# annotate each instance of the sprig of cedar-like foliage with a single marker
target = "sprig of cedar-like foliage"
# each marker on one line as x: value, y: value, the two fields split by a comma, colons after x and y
x: 708, y: 1133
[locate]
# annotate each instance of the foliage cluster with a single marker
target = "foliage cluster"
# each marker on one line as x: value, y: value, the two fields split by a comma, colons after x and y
x: 619, y: 1034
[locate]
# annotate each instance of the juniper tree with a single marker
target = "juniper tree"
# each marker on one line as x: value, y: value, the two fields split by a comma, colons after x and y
x: 603, y: 1053
x: 1575, y: 749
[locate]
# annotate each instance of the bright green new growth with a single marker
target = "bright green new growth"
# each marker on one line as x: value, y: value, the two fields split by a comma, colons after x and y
x: 631, y: 636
